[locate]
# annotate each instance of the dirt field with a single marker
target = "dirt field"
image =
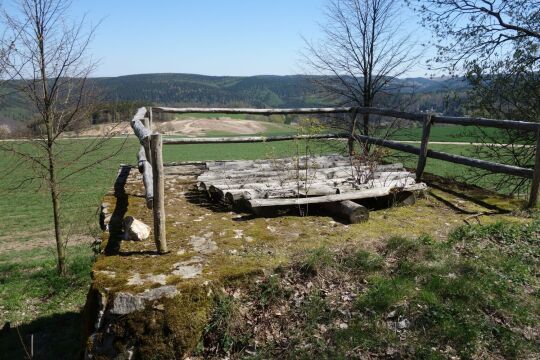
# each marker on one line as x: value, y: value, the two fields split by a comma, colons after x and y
x: 191, y: 127
x: 199, y: 127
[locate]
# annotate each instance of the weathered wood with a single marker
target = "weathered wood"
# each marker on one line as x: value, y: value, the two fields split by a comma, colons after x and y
x: 249, y: 139
x: 422, y: 157
x: 138, y: 127
x: 482, y: 164
x: 299, y: 111
x: 150, y: 118
x: 354, y: 115
x: 278, y: 175
x: 284, y: 174
x: 457, y: 159
x: 465, y: 121
x: 291, y: 164
x: 160, y: 237
x: 274, y: 189
x: 353, y: 195
x: 146, y: 170
x: 535, y: 184
x: 348, y: 210
x: 500, y: 124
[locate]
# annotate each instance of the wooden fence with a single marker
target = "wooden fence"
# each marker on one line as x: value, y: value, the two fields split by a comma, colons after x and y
x: 150, y: 161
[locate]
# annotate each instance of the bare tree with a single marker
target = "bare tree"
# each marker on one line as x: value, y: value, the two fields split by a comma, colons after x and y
x: 496, y: 44
x: 364, y: 50
x: 47, y: 64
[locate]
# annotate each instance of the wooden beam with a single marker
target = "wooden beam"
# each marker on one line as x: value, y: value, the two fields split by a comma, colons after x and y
x: 146, y: 170
x: 138, y: 127
x: 160, y: 236
x: 354, y: 115
x: 299, y: 111
x: 150, y: 118
x: 535, y: 185
x: 500, y: 124
x: 482, y: 164
x: 423, y: 147
x: 249, y: 139
x: 456, y: 159
x: 353, y: 195
x: 465, y: 121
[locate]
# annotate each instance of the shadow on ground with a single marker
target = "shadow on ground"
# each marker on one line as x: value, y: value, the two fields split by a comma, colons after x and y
x: 55, y: 337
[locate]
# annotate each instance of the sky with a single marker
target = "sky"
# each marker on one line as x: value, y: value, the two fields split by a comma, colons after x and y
x: 210, y: 37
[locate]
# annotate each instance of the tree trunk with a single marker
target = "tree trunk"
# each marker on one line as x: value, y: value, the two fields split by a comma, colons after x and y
x: 366, y: 132
x: 60, y: 250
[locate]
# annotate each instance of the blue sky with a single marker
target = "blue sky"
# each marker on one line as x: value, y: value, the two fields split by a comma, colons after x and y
x: 212, y: 37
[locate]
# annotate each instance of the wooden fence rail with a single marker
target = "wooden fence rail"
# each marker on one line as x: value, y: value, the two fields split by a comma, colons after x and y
x: 423, y: 152
x: 150, y: 157
x: 250, y: 139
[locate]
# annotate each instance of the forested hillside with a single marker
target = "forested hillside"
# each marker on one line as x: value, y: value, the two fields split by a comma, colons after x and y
x: 121, y: 94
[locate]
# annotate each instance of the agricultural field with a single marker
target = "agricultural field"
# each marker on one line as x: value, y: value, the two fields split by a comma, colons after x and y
x: 32, y: 295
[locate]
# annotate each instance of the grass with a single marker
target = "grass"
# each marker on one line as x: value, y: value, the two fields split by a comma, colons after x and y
x: 452, y: 133
x: 36, y: 300
x: 32, y: 296
x: 27, y: 209
x: 474, y: 295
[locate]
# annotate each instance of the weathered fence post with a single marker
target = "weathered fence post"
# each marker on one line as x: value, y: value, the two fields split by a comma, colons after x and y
x: 159, y: 193
x: 150, y: 118
x: 353, y: 129
x: 535, y: 185
x: 422, y: 158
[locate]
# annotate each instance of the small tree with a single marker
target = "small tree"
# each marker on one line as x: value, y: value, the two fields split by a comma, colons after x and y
x: 364, y: 50
x: 496, y: 44
x: 478, y: 30
x: 47, y: 65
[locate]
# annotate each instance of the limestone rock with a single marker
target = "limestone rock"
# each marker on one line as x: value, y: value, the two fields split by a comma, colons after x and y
x: 126, y: 303
x: 135, y: 229
x: 203, y: 244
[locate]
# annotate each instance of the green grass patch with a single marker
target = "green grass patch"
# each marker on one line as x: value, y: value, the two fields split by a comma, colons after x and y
x: 451, y: 133
x: 36, y: 301
x: 472, y: 296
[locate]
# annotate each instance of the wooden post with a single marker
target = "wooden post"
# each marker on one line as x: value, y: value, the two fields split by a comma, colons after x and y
x: 160, y: 237
x: 150, y: 117
x: 353, y: 129
x: 146, y: 141
x: 535, y: 185
x: 422, y: 158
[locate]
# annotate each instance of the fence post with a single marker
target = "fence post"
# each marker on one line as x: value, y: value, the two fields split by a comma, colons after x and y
x: 150, y: 118
x: 353, y: 129
x: 535, y: 185
x: 422, y: 158
x: 160, y: 237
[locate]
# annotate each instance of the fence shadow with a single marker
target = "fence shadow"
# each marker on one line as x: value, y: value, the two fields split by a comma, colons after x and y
x: 55, y: 337
x: 116, y: 231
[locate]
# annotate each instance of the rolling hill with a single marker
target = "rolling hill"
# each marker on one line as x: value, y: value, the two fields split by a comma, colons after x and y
x: 231, y: 91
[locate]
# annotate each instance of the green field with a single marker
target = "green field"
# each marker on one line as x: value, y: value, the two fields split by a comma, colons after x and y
x: 443, y: 133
